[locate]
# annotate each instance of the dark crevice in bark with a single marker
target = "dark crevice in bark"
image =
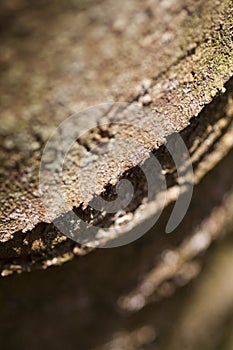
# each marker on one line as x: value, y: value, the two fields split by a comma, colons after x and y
x: 47, y: 233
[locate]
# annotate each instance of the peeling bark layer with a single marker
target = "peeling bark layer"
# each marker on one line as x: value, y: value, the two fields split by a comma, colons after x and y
x: 176, y: 53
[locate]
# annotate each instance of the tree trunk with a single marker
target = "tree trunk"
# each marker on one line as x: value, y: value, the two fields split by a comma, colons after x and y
x: 169, y: 64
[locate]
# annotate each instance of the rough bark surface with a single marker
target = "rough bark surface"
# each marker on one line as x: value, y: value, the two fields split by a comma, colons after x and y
x: 172, y: 59
x: 76, y: 55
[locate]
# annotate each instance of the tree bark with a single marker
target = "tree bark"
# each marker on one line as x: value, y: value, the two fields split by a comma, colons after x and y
x: 183, y: 50
x: 174, y: 61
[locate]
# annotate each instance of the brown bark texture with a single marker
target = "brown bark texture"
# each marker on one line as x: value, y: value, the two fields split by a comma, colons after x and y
x: 169, y: 63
